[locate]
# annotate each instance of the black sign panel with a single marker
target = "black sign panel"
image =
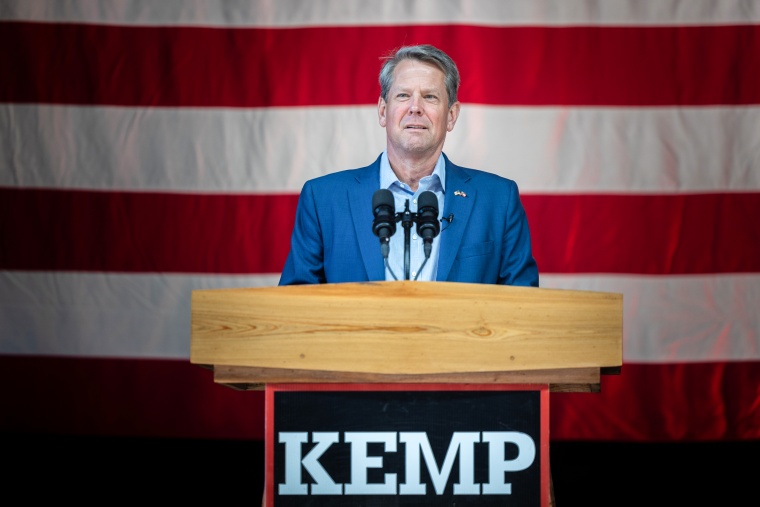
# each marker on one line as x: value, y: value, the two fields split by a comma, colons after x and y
x: 369, y: 445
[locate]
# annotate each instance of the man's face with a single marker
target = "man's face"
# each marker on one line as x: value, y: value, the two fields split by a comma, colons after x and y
x: 417, y: 116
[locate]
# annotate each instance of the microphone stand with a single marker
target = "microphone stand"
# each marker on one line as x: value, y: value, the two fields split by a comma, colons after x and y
x: 407, y: 218
x: 406, y: 223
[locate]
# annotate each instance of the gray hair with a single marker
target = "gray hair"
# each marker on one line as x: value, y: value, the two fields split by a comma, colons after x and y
x: 424, y: 53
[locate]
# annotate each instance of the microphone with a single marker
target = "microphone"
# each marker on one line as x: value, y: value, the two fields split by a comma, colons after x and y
x: 384, y: 224
x: 428, y: 225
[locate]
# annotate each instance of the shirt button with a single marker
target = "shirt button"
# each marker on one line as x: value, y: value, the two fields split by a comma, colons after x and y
x: 414, y: 236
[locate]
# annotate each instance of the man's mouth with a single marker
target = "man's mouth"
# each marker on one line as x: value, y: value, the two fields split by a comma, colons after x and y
x: 420, y: 127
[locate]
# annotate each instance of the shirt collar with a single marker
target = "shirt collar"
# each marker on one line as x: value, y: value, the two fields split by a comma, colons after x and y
x: 388, y: 177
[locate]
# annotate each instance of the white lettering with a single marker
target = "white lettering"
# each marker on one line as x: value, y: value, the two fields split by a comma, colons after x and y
x: 323, y: 483
x: 417, y: 446
x: 417, y: 443
x: 498, y: 465
x: 293, y: 484
x: 360, y: 462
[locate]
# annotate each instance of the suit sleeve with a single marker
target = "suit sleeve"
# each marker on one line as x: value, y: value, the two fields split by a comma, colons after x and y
x: 305, y: 262
x: 518, y: 267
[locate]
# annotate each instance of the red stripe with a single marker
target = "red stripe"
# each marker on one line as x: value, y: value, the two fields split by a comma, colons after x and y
x: 119, y: 397
x: 157, y: 398
x: 646, y: 234
x: 246, y: 67
x: 663, y: 402
x: 144, y: 232
x: 188, y: 233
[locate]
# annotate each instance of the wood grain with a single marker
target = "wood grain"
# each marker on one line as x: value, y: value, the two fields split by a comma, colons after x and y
x: 406, y: 328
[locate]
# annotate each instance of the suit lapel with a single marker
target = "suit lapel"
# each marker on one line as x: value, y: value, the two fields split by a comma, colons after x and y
x: 459, y: 200
x: 360, y: 201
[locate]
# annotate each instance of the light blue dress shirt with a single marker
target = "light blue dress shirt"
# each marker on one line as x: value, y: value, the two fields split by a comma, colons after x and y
x: 401, y: 193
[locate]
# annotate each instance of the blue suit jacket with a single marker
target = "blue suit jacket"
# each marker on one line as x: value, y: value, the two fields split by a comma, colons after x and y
x: 487, y: 242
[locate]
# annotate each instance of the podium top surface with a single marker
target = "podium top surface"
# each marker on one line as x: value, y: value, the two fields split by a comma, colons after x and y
x: 406, y: 328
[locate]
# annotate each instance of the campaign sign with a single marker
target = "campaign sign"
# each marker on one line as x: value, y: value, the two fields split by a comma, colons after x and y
x: 407, y: 444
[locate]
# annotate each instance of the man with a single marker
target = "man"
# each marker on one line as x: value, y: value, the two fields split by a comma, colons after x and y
x: 484, y: 236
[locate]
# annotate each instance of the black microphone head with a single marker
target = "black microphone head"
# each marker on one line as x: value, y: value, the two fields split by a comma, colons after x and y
x: 428, y: 225
x: 382, y: 197
x: 427, y: 199
x: 384, y: 209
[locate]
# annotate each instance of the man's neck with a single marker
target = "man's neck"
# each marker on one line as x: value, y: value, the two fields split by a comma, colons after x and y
x: 411, y: 169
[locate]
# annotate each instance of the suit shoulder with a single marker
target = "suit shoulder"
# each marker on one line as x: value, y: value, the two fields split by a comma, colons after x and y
x: 485, y: 179
x: 343, y: 177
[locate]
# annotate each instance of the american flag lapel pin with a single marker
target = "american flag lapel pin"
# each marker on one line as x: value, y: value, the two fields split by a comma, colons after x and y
x: 459, y: 192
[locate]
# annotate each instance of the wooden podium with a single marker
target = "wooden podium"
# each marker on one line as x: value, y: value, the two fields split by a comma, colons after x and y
x: 408, y: 333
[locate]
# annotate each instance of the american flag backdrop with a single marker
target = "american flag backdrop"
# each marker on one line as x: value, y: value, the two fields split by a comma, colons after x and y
x: 150, y: 148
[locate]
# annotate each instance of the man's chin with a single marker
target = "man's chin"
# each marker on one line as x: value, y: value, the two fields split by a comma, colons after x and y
x: 417, y: 147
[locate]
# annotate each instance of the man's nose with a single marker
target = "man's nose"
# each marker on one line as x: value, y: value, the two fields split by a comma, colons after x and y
x: 414, y: 107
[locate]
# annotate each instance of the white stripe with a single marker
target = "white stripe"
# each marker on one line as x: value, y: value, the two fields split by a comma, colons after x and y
x: 103, y: 315
x: 273, y: 150
x: 673, y: 319
x: 294, y: 13
x: 666, y: 319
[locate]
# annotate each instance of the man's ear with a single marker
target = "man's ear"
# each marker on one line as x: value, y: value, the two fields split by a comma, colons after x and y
x: 453, y: 116
x: 381, y: 112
